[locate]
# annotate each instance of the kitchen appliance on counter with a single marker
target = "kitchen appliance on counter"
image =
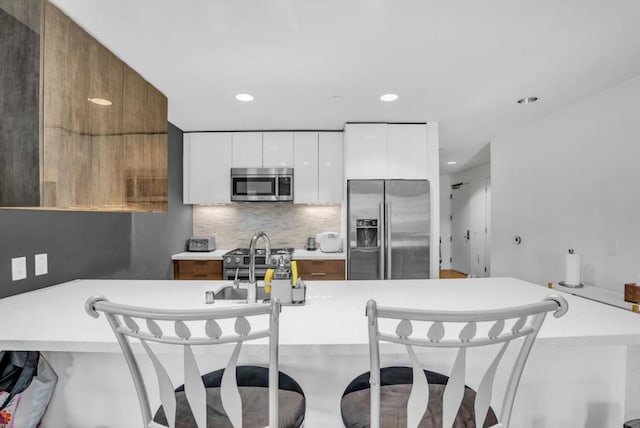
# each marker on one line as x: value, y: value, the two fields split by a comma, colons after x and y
x: 236, y: 262
x: 388, y: 229
x: 262, y: 184
x: 330, y: 242
x: 311, y: 244
x: 201, y: 243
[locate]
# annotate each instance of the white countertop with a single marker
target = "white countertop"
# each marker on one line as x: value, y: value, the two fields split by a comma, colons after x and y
x: 54, y: 319
x: 297, y: 255
x: 601, y: 295
x: 199, y: 255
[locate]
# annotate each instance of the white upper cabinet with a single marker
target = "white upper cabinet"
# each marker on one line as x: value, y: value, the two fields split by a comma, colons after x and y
x: 407, y: 151
x: 206, y: 163
x: 277, y: 149
x: 318, y: 168
x: 316, y: 159
x: 246, y: 150
x: 385, y: 151
x: 305, y: 167
x: 365, y: 151
x: 330, y: 168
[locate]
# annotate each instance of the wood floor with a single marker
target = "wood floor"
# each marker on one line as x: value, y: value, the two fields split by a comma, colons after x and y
x: 448, y: 274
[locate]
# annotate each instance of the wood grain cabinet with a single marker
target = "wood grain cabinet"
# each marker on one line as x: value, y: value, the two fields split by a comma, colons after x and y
x: 19, y: 102
x: 102, y: 127
x: 144, y: 144
x: 321, y: 270
x: 197, y: 269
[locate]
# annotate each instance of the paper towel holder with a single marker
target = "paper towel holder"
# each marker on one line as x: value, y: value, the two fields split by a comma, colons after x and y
x: 564, y: 284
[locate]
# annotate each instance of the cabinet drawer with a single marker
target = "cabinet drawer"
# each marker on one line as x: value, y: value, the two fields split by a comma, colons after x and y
x: 197, y: 269
x: 321, y: 270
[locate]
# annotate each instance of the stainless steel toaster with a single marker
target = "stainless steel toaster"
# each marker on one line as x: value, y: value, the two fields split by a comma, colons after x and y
x: 201, y: 243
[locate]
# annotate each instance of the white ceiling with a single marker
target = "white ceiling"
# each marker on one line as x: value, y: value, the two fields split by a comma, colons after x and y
x: 463, y: 63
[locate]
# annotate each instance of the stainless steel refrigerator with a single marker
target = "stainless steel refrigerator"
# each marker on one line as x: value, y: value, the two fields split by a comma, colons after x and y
x: 388, y: 229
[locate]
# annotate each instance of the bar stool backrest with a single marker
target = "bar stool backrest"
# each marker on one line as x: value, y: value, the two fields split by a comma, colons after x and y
x: 461, y: 330
x: 191, y: 328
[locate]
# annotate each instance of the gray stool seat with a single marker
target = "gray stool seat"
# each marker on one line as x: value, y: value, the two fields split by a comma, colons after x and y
x: 253, y: 385
x: 395, y: 387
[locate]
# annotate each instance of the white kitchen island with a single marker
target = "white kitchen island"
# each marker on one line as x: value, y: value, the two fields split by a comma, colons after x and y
x: 575, y: 377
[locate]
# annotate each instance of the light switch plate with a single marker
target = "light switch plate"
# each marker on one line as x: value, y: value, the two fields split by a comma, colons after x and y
x: 41, y: 264
x: 18, y: 268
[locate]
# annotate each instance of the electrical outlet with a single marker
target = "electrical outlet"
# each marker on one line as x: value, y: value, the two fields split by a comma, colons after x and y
x: 18, y: 268
x: 41, y: 264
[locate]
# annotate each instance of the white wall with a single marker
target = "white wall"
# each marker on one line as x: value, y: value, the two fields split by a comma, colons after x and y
x: 571, y: 181
x: 445, y: 222
x: 433, y: 175
x: 477, y: 179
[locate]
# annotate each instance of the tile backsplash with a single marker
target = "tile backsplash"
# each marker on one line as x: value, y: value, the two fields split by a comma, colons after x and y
x: 288, y: 225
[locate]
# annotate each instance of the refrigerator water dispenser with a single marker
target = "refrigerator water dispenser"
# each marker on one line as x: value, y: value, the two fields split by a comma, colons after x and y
x: 366, y: 233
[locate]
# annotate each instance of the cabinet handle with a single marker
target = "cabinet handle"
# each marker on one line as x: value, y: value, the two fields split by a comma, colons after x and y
x: 318, y: 274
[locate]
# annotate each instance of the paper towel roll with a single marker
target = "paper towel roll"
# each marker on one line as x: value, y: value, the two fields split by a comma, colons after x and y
x: 572, y: 269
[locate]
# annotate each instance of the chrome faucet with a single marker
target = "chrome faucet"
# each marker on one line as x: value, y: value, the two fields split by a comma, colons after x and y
x: 252, y: 292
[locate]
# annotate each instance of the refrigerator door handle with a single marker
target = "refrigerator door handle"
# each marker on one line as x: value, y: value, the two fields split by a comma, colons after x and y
x: 387, y: 239
x: 383, y: 241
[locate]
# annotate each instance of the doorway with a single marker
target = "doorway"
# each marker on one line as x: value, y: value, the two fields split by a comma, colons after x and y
x: 460, y: 228
x: 470, y: 225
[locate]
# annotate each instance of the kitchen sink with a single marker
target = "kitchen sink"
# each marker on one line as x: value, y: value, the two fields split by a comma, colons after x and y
x: 229, y: 292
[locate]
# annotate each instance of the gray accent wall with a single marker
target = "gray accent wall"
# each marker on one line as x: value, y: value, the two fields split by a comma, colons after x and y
x: 78, y: 245
x: 97, y: 245
x: 156, y: 236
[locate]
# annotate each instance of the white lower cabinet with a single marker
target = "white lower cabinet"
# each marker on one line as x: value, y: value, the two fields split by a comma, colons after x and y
x: 206, y: 163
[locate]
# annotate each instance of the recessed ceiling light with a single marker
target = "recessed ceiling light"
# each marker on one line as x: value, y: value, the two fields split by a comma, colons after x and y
x: 452, y: 163
x: 337, y: 98
x: 527, y: 100
x: 389, y: 97
x: 244, y: 97
x: 100, y: 101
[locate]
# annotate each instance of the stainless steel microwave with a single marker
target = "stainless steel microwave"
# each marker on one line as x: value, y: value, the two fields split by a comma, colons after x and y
x: 262, y: 184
